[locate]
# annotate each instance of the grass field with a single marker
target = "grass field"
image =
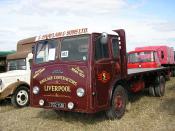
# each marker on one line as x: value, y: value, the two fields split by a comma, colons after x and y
x: 146, y: 114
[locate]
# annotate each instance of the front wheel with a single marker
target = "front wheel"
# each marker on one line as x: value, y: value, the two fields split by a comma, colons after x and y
x: 20, y: 98
x: 118, y: 105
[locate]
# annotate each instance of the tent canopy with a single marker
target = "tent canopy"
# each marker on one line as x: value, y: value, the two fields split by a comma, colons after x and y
x: 5, y: 53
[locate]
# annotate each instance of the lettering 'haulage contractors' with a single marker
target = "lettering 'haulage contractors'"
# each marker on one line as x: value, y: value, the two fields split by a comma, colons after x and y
x: 49, y: 78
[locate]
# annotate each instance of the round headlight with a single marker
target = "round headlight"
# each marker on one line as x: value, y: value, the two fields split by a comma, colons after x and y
x: 35, y: 90
x: 80, y: 92
x: 70, y: 105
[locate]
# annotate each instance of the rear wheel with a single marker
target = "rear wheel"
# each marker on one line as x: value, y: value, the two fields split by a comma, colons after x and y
x: 173, y: 73
x: 20, y: 98
x: 151, y: 91
x: 167, y: 77
x: 160, y: 88
x: 118, y: 105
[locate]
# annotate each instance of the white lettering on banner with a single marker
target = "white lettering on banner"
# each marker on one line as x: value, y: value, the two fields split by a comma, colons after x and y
x: 62, y: 34
x: 63, y: 78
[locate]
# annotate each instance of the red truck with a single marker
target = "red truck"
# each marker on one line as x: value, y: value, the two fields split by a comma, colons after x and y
x: 160, y: 55
x: 165, y: 54
x: 143, y: 59
x: 81, y: 71
x: 152, y: 57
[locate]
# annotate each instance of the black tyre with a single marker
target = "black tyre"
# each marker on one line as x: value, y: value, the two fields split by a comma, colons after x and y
x: 20, y: 98
x: 118, y: 105
x: 173, y: 73
x: 160, y: 88
x: 167, y: 77
x: 152, y: 91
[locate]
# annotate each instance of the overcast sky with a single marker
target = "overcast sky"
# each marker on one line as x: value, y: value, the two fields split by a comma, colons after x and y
x: 146, y: 22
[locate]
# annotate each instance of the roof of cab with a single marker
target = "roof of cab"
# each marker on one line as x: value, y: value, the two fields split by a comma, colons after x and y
x: 27, y: 40
x: 24, y: 47
x: 136, y: 51
x: 73, y: 32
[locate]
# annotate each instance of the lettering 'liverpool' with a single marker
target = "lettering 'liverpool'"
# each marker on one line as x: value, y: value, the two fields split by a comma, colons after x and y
x: 60, y: 88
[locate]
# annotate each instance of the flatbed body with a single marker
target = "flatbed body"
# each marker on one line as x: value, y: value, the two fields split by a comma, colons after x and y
x: 135, y: 71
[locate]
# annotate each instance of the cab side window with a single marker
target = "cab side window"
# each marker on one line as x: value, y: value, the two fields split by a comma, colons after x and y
x: 115, y: 47
x: 101, y: 50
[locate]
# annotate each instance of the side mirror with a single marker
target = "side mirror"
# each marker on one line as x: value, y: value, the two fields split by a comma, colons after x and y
x: 104, y: 38
x: 30, y: 56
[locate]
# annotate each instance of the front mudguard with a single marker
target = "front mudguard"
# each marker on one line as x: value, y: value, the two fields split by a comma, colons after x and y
x: 8, y: 91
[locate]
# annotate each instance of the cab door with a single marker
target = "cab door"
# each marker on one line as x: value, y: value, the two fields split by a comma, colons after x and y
x: 104, y: 72
x: 116, y: 59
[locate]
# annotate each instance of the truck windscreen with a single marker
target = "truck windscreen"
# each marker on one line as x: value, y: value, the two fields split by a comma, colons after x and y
x: 68, y: 49
x: 46, y: 51
x: 141, y: 57
x: 74, y: 49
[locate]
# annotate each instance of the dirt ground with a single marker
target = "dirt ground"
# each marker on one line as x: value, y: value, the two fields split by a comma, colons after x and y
x: 146, y: 114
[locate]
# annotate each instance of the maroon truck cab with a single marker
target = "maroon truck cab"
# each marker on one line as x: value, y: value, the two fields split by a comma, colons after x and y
x: 77, y: 71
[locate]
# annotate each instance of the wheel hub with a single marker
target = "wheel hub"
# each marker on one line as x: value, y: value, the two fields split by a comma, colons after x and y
x: 118, y: 102
x: 22, y: 97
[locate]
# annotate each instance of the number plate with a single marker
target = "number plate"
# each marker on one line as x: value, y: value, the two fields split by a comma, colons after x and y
x: 56, y: 104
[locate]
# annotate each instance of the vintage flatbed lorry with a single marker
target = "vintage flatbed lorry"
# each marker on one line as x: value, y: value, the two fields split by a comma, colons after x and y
x: 15, y: 82
x: 82, y: 71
